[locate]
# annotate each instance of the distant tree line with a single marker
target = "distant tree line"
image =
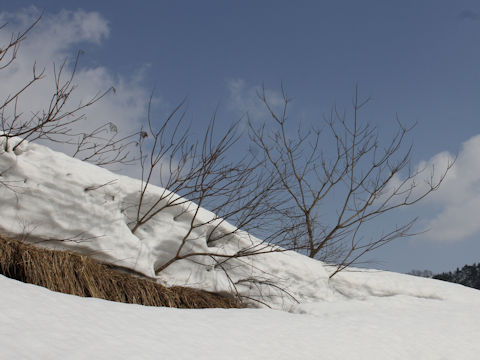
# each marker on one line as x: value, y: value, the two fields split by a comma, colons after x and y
x: 469, y: 275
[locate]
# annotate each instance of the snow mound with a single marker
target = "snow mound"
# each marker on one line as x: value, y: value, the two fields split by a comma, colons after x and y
x: 61, y: 202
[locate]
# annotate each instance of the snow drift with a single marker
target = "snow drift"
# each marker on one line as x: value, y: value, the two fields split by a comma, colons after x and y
x: 60, y: 202
x: 41, y: 324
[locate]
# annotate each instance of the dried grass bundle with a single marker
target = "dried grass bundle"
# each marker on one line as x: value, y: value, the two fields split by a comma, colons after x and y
x: 74, y: 274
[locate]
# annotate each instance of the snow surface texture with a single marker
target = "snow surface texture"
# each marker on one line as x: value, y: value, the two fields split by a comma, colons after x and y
x: 358, y: 314
x: 47, y: 195
x: 40, y: 324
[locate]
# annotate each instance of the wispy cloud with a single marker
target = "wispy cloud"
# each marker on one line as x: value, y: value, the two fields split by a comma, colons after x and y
x: 468, y: 14
x: 244, y: 100
x: 55, y: 38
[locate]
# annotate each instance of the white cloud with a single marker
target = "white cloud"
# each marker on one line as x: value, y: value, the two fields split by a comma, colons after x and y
x: 56, y: 37
x: 244, y: 100
x: 458, y: 198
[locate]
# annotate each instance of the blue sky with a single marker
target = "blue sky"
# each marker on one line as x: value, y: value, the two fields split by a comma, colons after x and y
x: 416, y: 59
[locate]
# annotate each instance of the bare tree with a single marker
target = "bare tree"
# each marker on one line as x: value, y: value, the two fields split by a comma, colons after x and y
x: 196, y: 174
x: 200, y: 170
x: 343, y: 173
x: 281, y: 192
x: 57, y: 122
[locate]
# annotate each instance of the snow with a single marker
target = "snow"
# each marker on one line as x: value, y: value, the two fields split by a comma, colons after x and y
x: 90, y: 208
x: 41, y: 324
x: 358, y: 314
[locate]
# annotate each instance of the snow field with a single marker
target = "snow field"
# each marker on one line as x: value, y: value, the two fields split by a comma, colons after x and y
x: 358, y: 314
x: 40, y: 324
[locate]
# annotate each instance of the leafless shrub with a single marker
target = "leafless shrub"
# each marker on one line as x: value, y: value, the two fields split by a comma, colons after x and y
x: 349, y: 181
x: 196, y: 174
x: 281, y: 191
x: 421, y: 273
x: 58, y: 121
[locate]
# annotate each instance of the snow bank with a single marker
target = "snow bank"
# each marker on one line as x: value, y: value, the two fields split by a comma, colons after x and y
x: 48, y: 195
x: 41, y: 324
x: 359, y: 314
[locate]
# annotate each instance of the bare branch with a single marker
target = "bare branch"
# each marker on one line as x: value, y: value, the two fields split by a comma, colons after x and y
x: 58, y: 121
x: 355, y: 181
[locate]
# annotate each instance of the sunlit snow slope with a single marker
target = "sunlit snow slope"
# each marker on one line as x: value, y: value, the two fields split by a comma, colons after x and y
x: 39, y: 324
x: 358, y: 314
x: 48, y: 196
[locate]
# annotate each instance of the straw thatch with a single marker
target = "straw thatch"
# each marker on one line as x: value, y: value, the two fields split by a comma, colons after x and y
x: 75, y: 274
